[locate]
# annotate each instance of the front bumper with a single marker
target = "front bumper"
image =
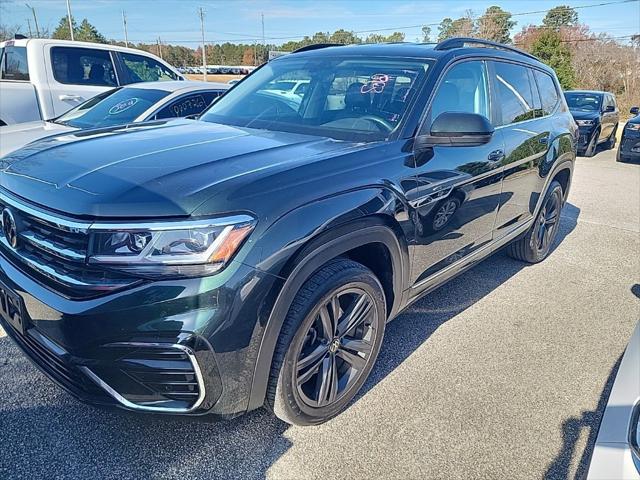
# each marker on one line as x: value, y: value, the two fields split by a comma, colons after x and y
x: 630, y: 145
x: 182, y: 347
x: 585, y: 136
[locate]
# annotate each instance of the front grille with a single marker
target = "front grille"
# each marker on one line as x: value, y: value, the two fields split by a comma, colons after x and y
x: 54, y: 251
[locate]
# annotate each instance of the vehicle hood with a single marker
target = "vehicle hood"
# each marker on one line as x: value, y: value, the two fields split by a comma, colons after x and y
x: 151, y: 170
x: 585, y: 115
x: 634, y: 120
x: 13, y: 137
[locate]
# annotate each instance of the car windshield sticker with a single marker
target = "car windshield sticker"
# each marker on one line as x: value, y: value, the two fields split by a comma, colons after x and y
x: 376, y: 84
x: 122, y: 106
x: 189, y: 106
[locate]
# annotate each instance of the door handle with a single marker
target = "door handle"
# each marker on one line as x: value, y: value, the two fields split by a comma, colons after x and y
x: 65, y: 97
x: 496, y: 156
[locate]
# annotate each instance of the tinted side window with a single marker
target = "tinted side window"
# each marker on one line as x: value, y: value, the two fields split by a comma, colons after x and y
x: 464, y: 88
x: 14, y: 64
x: 82, y: 66
x: 548, y: 91
x: 145, y: 69
x: 189, y: 105
x: 514, y: 93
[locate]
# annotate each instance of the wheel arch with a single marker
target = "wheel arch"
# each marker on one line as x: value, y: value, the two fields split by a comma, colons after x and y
x: 358, y: 240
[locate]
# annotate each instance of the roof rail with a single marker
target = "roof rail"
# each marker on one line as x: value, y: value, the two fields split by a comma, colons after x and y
x: 317, y: 46
x: 460, y: 42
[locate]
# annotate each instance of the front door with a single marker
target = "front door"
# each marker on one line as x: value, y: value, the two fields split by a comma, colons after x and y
x: 458, y: 188
x: 77, y: 74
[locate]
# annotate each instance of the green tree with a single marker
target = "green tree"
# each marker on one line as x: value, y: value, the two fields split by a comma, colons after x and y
x: 344, y: 37
x: 561, y: 16
x: 426, y: 34
x: 549, y: 48
x: 495, y: 25
x: 62, y: 30
x: 378, y: 38
x: 88, y: 33
x: 460, y: 27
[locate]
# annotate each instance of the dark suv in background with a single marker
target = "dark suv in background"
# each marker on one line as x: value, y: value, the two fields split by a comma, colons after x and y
x: 597, y: 116
x: 629, y: 149
x: 253, y: 257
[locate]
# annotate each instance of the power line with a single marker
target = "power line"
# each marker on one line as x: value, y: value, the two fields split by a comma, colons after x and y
x: 251, y: 38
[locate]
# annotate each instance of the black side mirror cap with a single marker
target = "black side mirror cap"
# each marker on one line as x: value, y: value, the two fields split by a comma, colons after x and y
x: 458, y: 129
x: 610, y: 108
x: 634, y: 110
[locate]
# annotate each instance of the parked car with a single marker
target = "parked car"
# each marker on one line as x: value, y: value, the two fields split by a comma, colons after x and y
x: 120, y: 106
x: 629, y: 148
x: 597, y: 116
x: 617, y: 449
x: 41, y: 79
x: 254, y: 257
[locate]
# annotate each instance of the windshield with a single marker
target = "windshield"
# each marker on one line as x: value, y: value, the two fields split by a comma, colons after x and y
x: 584, y: 101
x: 349, y: 98
x: 114, y: 107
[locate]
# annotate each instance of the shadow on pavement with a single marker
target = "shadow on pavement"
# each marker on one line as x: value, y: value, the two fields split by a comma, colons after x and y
x: 46, y: 433
x: 571, y: 430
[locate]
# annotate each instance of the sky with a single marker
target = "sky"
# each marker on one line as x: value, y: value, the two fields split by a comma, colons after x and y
x: 239, y: 21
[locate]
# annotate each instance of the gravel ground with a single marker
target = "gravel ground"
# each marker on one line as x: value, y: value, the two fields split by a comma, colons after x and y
x: 502, y: 373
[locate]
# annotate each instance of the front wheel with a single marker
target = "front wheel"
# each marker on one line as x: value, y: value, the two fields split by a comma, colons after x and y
x: 611, y: 141
x: 537, y: 242
x: 329, y: 342
x: 593, y: 145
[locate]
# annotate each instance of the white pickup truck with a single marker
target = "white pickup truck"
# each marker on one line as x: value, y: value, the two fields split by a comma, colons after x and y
x: 41, y: 79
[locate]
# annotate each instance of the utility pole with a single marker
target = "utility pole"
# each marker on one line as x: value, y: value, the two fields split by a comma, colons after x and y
x: 264, y: 44
x: 204, y: 54
x: 124, y: 25
x: 29, y: 25
x: 160, y: 48
x: 69, y: 17
x: 255, y: 53
x: 35, y: 19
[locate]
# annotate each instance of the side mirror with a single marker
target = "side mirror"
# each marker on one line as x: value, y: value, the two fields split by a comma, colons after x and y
x: 634, y: 110
x: 458, y: 129
x: 610, y: 108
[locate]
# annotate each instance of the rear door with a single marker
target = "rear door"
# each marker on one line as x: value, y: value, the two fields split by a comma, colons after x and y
x: 524, y: 119
x: 77, y: 74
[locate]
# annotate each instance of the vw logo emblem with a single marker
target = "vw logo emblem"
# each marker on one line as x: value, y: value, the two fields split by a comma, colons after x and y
x: 10, y: 228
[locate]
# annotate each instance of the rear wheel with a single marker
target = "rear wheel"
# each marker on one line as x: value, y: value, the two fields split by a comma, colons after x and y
x: 536, y: 244
x: 329, y: 342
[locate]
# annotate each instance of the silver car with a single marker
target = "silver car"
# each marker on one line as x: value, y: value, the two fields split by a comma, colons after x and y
x: 617, y: 453
x: 133, y: 103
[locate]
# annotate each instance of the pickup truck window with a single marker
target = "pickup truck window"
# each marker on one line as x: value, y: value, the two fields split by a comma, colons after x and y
x: 145, y: 69
x: 82, y: 66
x: 114, y: 107
x: 13, y: 64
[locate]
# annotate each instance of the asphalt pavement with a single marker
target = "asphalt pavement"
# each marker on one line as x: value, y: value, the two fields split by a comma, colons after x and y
x: 502, y: 373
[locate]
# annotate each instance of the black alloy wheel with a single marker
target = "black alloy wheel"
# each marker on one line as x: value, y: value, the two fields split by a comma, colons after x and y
x: 329, y: 343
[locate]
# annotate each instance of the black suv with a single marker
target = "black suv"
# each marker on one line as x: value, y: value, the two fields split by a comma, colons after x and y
x: 253, y: 257
x: 597, y: 116
x: 630, y: 142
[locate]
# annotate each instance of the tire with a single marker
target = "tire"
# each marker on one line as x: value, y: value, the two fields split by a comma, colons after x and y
x: 536, y: 244
x: 611, y: 141
x: 590, y: 151
x: 305, y: 356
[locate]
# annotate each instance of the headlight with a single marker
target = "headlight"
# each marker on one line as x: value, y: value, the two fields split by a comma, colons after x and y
x: 633, y: 126
x: 585, y: 123
x: 169, y: 249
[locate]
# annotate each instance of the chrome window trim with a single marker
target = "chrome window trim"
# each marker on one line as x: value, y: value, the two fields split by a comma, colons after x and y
x: 148, y: 408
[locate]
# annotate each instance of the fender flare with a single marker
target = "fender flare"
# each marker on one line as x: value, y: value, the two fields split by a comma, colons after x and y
x: 324, y: 248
